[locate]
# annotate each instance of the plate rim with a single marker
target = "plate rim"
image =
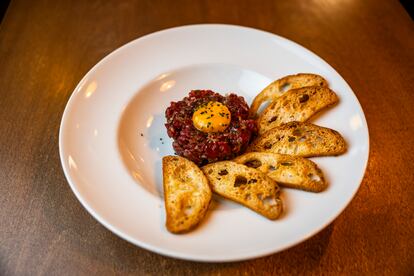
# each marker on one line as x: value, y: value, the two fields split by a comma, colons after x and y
x: 168, y: 252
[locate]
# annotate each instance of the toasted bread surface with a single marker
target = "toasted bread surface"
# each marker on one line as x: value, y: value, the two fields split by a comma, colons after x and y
x: 296, y: 105
x: 280, y: 86
x: 187, y: 193
x: 246, y: 186
x: 300, y: 139
x: 287, y: 170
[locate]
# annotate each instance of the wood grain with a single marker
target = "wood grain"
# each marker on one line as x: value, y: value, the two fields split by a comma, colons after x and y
x: 47, y: 46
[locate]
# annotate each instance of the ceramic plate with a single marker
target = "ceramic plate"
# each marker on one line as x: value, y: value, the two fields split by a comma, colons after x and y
x: 112, y: 139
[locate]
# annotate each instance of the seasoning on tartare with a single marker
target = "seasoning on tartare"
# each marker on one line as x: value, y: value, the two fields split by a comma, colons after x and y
x: 207, y: 147
x: 212, y: 117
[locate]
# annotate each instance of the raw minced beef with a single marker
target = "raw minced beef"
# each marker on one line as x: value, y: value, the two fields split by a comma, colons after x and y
x: 201, y: 147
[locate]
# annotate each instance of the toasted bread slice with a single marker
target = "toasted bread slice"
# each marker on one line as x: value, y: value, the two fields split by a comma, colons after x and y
x: 187, y: 194
x: 278, y: 87
x: 300, y: 139
x: 246, y: 186
x: 296, y: 105
x: 287, y: 170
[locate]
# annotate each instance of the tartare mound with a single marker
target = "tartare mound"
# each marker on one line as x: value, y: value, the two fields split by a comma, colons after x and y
x: 201, y: 147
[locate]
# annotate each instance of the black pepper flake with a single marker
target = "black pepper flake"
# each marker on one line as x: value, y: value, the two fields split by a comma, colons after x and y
x: 142, y: 135
x: 160, y: 139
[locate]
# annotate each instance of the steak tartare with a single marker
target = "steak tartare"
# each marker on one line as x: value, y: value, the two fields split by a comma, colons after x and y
x: 205, y: 144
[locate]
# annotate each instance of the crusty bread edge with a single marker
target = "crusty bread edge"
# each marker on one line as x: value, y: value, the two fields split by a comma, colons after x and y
x: 167, y: 217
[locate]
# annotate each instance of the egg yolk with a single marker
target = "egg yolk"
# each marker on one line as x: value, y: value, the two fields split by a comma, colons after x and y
x: 212, y: 117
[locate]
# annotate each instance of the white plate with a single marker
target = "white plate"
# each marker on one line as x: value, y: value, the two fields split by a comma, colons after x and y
x: 116, y: 173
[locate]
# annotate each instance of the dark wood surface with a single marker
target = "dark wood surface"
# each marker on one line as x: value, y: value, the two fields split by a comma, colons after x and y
x: 47, y: 46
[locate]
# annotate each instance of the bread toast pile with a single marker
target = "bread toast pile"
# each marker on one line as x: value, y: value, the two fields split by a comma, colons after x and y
x: 276, y: 158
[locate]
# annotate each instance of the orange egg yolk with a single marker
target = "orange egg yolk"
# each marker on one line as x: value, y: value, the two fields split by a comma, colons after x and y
x: 212, y: 117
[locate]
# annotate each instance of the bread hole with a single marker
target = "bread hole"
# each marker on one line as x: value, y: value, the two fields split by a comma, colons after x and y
x: 291, y: 139
x: 210, y: 171
x: 297, y: 132
x: 302, y: 139
x: 188, y: 210
x: 286, y: 163
x: 247, y: 197
x: 253, y: 180
x: 253, y: 163
x: 223, y: 172
x: 218, y: 178
x: 285, y: 87
x: 274, y: 118
x: 319, y: 138
x: 314, y: 177
x: 240, y: 180
x: 260, y: 196
x: 267, y: 145
x: 269, y: 200
x: 304, y: 98
x: 272, y: 168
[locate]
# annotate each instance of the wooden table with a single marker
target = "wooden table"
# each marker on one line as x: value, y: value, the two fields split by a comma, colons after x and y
x: 47, y: 46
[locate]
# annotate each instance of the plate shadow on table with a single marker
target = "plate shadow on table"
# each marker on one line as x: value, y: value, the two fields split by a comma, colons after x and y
x: 3, y: 8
